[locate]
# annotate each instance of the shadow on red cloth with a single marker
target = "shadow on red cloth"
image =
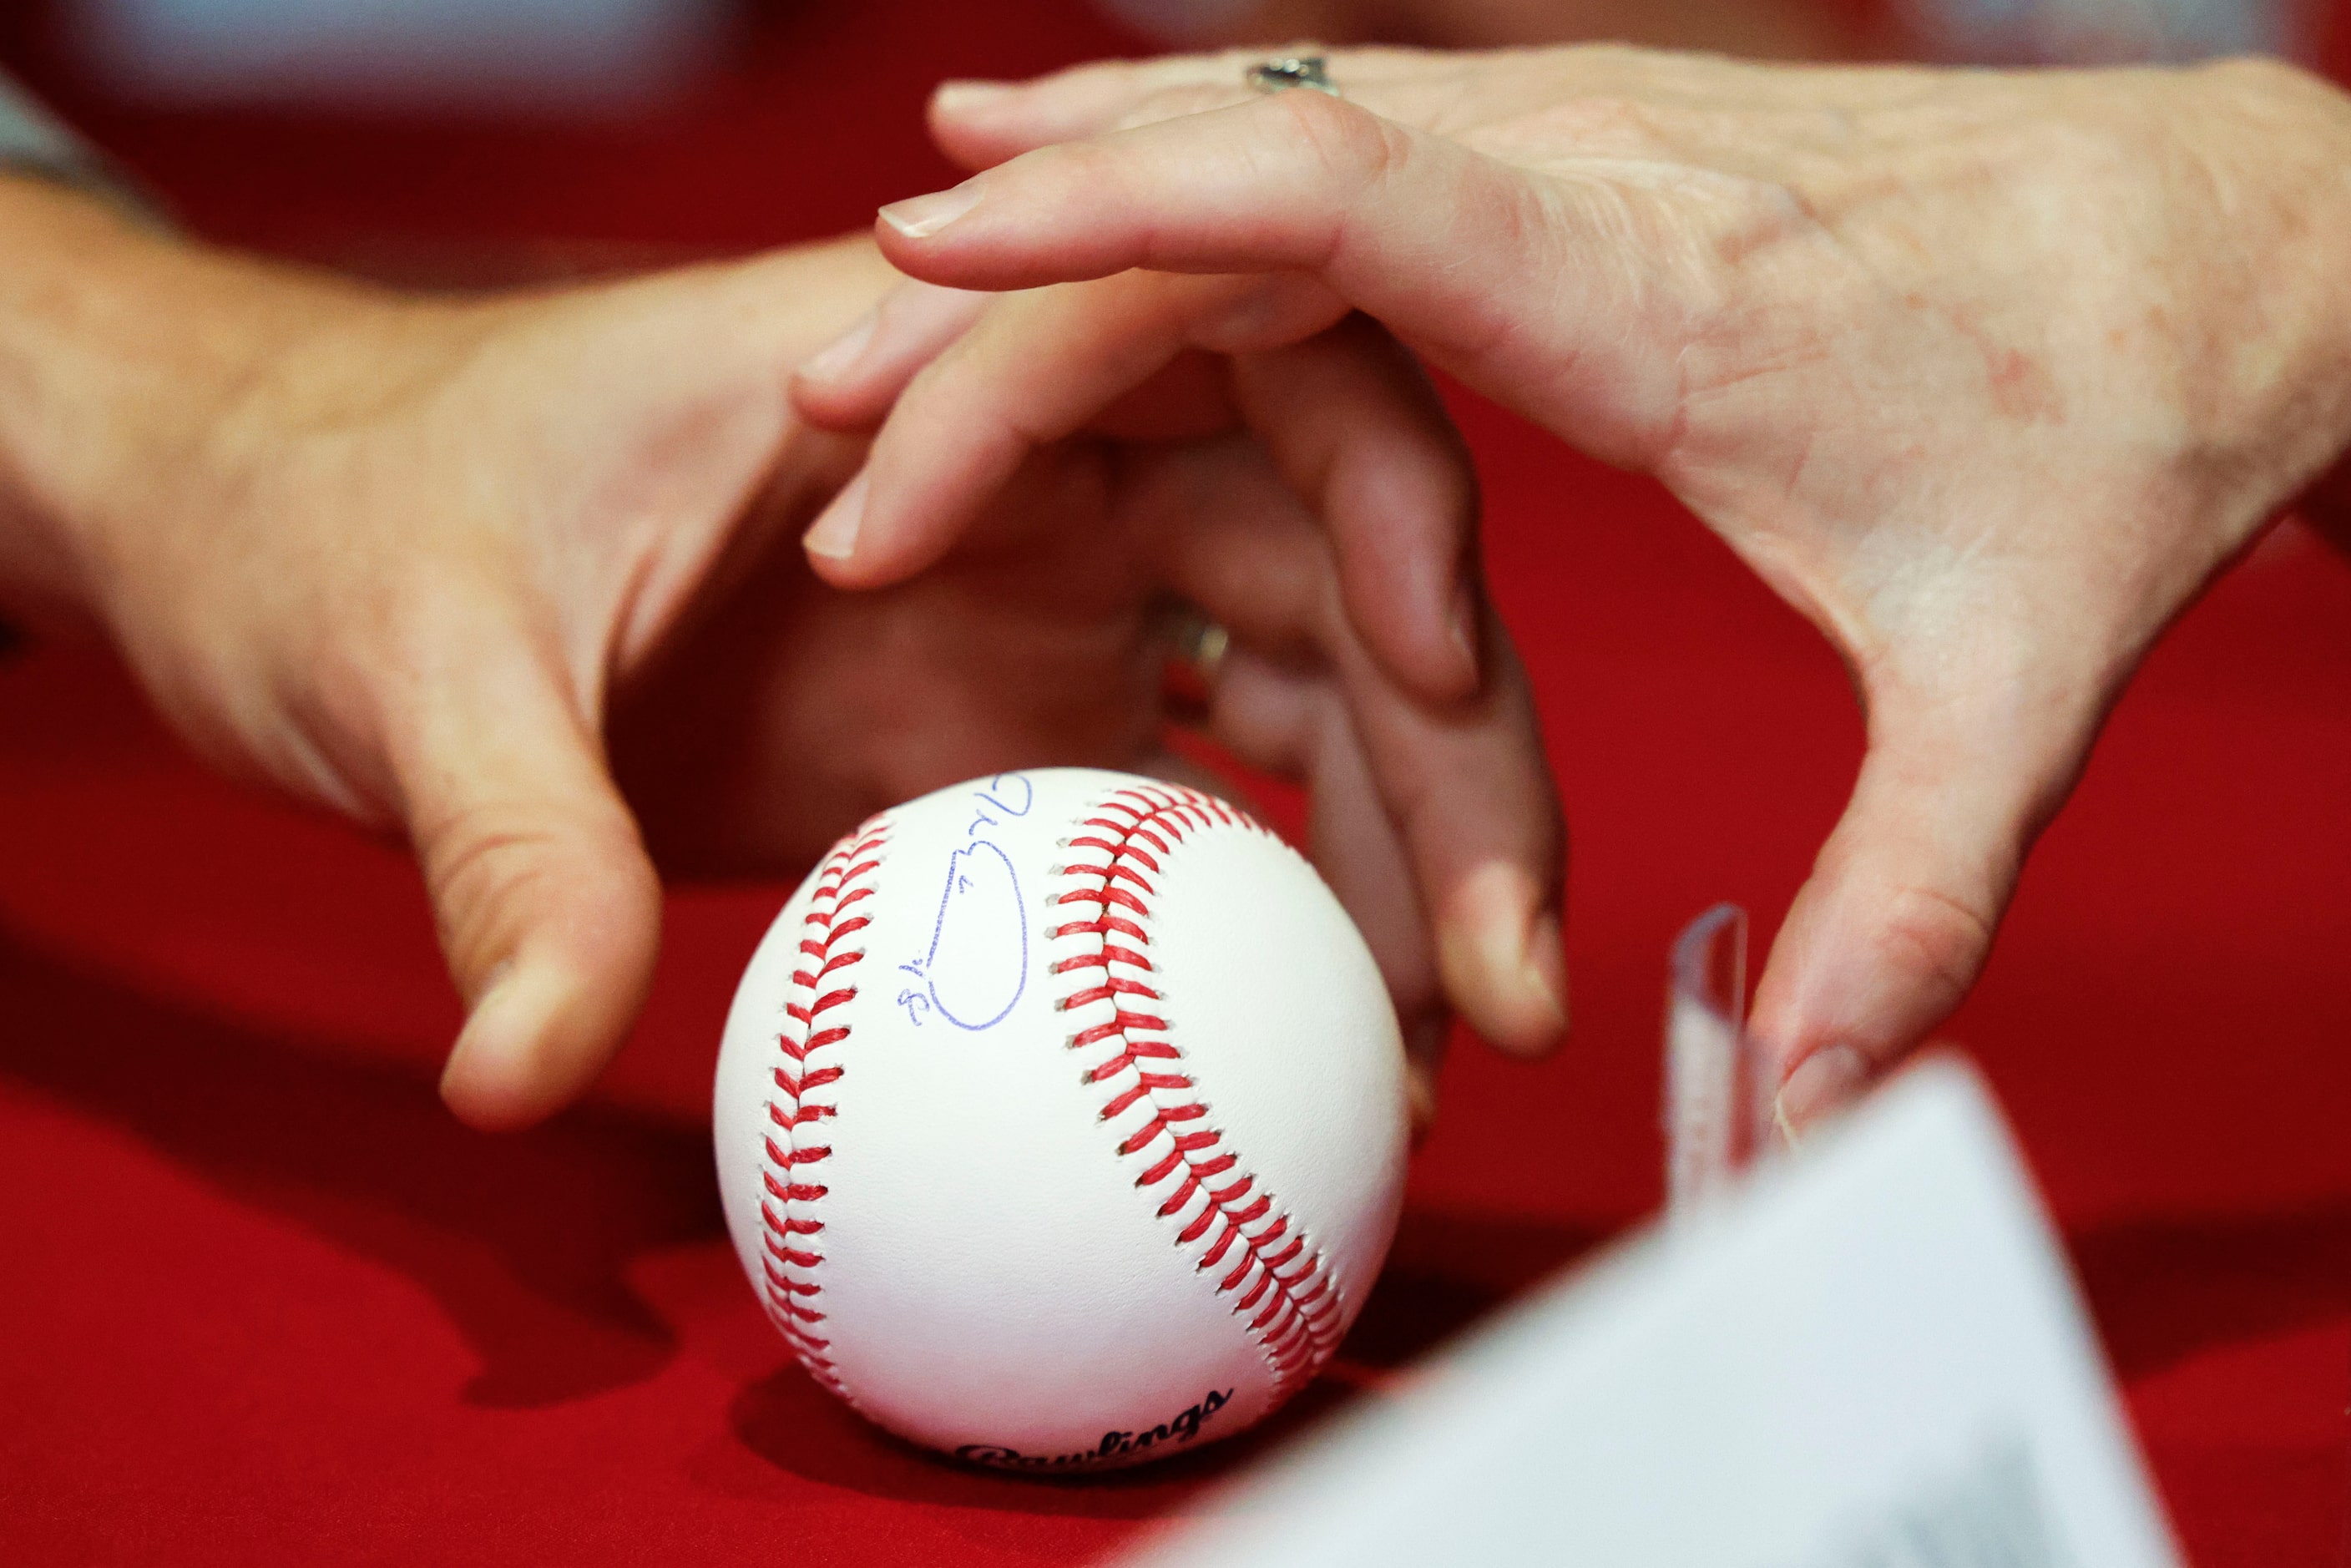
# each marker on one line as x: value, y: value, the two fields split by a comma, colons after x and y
x: 2164, y: 1290
x: 526, y: 1244
x: 521, y: 1240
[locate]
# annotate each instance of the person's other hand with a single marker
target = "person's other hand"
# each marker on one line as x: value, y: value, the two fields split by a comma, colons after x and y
x: 390, y: 554
x: 400, y: 556
x: 1988, y: 375
x: 1362, y: 657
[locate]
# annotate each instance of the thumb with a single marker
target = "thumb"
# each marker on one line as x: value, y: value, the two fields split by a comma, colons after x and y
x: 548, y: 910
x: 1895, y: 924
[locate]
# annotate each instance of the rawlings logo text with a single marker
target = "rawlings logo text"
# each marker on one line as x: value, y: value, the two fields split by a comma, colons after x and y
x: 1113, y: 1445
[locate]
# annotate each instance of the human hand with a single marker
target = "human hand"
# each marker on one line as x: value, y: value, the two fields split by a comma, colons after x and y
x: 399, y: 557
x: 390, y: 554
x: 1362, y: 657
x: 1987, y: 374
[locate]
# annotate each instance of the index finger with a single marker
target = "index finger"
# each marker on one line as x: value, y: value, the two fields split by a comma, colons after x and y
x: 1561, y: 294
x: 1346, y: 415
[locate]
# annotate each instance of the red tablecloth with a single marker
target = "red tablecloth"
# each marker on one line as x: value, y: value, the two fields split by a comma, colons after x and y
x: 261, y: 1301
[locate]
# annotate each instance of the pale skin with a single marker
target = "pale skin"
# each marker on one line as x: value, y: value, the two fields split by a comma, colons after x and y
x: 448, y: 566
x: 1988, y: 375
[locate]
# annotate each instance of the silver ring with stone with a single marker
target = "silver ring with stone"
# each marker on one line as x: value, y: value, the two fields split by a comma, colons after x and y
x: 1311, y: 71
x: 1193, y: 646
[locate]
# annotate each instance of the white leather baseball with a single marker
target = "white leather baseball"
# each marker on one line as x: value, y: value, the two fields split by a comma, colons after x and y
x: 1061, y: 1120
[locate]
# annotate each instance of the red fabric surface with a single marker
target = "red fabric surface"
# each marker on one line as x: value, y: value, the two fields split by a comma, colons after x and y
x: 264, y: 1301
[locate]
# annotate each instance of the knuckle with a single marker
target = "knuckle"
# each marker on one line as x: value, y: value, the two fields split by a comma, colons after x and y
x: 480, y: 864
x: 1941, y: 938
x: 1349, y: 144
x: 500, y: 862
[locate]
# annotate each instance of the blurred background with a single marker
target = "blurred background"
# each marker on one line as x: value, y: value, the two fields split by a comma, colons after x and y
x: 477, y: 141
x: 204, y: 993
x: 1704, y: 738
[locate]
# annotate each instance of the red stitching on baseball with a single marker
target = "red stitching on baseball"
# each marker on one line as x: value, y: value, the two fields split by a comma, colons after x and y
x: 1298, y: 1325
x: 789, y: 1296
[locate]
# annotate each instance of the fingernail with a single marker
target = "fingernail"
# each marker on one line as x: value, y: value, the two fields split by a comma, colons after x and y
x: 960, y: 97
x: 919, y: 217
x: 1423, y: 1055
x: 833, y: 534
x: 493, y: 1063
x: 1420, y: 1095
x: 1463, y: 630
x: 497, y: 976
x: 1542, y: 961
x: 843, y: 351
x: 1823, y: 1084
x: 1499, y: 950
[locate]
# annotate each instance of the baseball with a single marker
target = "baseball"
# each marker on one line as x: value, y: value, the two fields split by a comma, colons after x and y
x: 1060, y: 1121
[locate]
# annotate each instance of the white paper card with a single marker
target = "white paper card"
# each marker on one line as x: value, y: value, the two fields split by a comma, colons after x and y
x: 1872, y: 1357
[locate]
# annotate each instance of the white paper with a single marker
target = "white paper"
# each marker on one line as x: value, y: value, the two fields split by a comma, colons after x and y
x: 1872, y: 1357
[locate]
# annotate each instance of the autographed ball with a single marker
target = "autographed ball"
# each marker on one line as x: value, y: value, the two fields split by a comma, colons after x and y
x: 1060, y: 1121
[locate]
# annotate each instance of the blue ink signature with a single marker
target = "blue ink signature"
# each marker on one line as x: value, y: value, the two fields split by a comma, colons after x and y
x: 982, y: 819
x: 981, y: 927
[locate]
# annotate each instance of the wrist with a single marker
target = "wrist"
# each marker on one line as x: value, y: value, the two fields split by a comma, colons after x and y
x: 120, y: 351
x: 2279, y: 149
x: 46, y: 235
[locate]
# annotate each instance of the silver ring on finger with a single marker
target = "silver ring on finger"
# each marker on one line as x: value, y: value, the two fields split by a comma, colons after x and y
x: 1195, y: 644
x: 1288, y: 71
